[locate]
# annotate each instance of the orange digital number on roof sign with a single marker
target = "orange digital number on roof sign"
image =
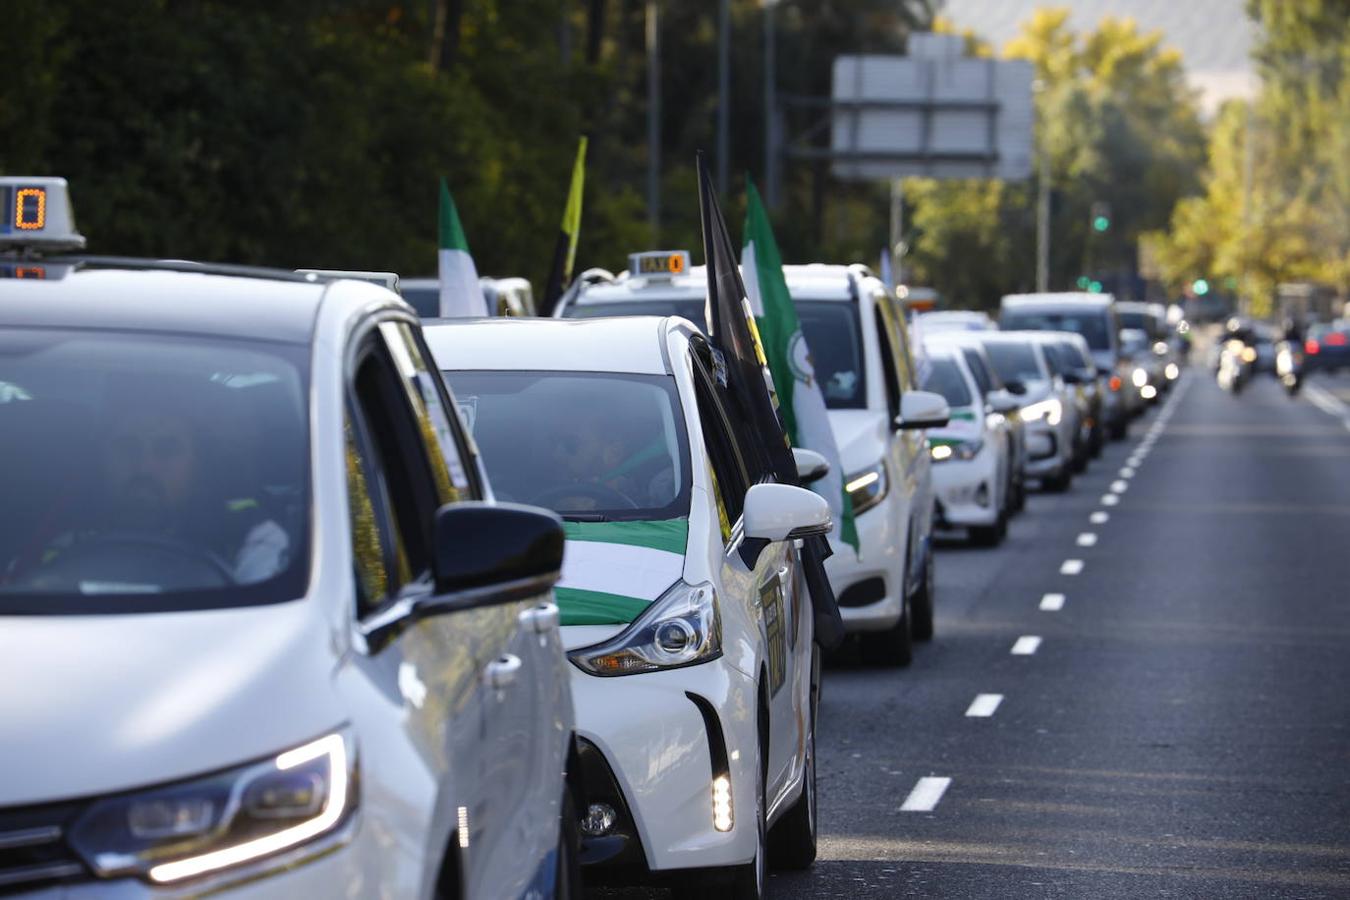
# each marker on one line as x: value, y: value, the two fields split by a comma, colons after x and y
x: 676, y: 263
x: 30, y: 209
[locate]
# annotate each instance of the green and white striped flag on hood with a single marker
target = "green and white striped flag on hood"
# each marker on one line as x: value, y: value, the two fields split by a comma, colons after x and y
x: 800, y: 400
x: 461, y: 293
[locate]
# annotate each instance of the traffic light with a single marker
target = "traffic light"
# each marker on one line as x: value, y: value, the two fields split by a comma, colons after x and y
x: 1095, y: 287
x: 1101, y: 217
x: 1200, y: 286
x: 1083, y: 282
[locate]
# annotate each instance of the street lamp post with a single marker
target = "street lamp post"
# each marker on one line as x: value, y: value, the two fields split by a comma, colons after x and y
x: 770, y: 106
x: 1042, y: 203
x: 723, y: 95
x: 653, y: 119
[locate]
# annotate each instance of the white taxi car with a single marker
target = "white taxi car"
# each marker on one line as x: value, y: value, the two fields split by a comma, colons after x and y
x: 1050, y: 417
x: 684, y: 611
x: 274, y: 637
x: 972, y: 453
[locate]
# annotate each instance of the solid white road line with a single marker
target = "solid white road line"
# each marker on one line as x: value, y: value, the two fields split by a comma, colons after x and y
x: 1071, y: 567
x: 1110, y: 500
x: 926, y: 794
x: 1119, y: 487
x: 1087, y: 539
x: 983, y: 706
x: 1026, y: 645
x: 1099, y: 518
x: 1052, y: 602
x: 1328, y: 403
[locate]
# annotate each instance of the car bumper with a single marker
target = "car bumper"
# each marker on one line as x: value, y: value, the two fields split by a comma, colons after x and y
x: 870, y: 584
x: 968, y: 491
x: 660, y: 749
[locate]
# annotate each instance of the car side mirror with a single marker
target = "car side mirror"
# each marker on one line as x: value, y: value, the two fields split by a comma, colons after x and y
x: 781, y: 512
x: 923, y: 409
x: 1003, y: 402
x: 497, y: 551
x: 811, y: 466
x: 1072, y: 377
x: 483, y: 554
x: 1015, y: 386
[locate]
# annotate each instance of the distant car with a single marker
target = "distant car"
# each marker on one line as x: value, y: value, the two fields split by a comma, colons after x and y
x: 1094, y: 386
x: 1149, y: 318
x: 1080, y: 384
x: 1327, y: 347
x: 1093, y: 317
x: 1142, y: 387
x: 955, y: 320
x: 1050, y: 417
x: 972, y: 453
x: 505, y: 296
x: 684, y: 609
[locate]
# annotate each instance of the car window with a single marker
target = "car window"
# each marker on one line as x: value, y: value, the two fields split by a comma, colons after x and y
x: 375, y: 542
x: 983, y: 377
x: 1014, y: 362
x: 944, y: 377
x: 439, y: 431
x: 398, y: 465
x: 592, y: 446
x: 890, y: 367
x: 144, y: 472
x: 900, y: 335
x: 833, y: 335
x: 1093, y: 326
x: 730, y: 476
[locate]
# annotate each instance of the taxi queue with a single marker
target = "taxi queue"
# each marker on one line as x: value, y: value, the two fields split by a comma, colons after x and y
x: 307, y: 595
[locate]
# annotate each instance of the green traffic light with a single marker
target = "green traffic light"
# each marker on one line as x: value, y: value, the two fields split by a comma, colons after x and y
x: 1100, y: 223
x: 1095, y: 287
x: 1083, y: 282
x: 1200, y: 286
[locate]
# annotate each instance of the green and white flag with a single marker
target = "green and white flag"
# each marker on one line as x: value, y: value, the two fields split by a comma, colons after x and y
x: 800, y: 400
x: 461, y: 294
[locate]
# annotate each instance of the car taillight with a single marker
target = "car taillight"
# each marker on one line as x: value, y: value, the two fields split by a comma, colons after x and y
x: 1310, y: 347
x: 1335, y: 339
x: 1116, y: 382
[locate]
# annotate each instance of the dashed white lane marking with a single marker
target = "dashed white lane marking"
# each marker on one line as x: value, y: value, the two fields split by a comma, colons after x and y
x: 983, y: 706
x: 1119, y: 486
x: 926, y: 794
x: 1026, y: 645
x: 1127, y: 472
x: 1087, y: 539
x: 1052, y: 602
x: 1099, y: 518
x: 1110, y: 500
x: 1071, y: 567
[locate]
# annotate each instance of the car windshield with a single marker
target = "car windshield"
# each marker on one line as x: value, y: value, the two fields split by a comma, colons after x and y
x: 592, y: 446
x: 689, y: 308
x: 832, y: 334
x: 944, y: 377
x: 145, y: 472
x: 1093, y: 326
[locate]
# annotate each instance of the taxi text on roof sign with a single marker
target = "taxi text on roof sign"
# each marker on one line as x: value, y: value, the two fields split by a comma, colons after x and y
x: 35, y: 215
x: 659, y: 264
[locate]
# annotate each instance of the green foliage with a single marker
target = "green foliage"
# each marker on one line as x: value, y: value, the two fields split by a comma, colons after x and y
x: 1120, y: 127
x: 313, y: 132
x: 1276, y: 205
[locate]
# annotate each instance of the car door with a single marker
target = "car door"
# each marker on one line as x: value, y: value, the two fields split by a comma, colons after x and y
x: 518, y: 660
x: 764, y: 575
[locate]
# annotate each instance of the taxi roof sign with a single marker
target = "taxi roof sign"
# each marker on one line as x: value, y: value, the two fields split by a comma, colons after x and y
x: 658, y: 265
x: 35, y: 214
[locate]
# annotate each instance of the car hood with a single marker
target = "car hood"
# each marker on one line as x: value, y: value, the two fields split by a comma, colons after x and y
x: 612, y: 571
x: 1036, y: 391
x: 862, y: 437
x: 963, y: 426
x: 97, y: 704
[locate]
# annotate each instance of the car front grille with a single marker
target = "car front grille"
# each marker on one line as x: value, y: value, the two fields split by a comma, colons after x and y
x: 33, y: 848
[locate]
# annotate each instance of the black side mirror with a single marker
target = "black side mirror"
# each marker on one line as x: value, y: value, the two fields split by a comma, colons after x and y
x: 504, y: 551
x: 1015, y: 386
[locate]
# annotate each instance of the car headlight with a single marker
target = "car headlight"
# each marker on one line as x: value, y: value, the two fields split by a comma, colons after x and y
x: 682, y: 628
x: 180, y: 831
x: 1049, y: 409
x: 1139, y: 377
x: 963, y: 450
x: 867, y: 488
x: 1249, y: 354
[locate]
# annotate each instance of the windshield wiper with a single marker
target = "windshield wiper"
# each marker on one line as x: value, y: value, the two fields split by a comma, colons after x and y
x: 585, y: 517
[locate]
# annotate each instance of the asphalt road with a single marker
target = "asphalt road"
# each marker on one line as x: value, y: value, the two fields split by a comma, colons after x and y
x: 1183, y: 727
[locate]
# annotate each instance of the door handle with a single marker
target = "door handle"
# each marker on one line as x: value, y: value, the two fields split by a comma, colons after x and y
x: 540, y: 619
x: 502, y: 671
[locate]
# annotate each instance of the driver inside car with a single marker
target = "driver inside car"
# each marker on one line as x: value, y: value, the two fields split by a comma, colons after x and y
x: 155, y: 484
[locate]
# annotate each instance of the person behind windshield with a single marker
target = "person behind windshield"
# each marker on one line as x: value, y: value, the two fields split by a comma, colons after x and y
x: 157, y: 486
x: 602, y: 465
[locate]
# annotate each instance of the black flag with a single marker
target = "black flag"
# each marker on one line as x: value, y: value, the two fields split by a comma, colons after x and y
x: 733, y: 334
